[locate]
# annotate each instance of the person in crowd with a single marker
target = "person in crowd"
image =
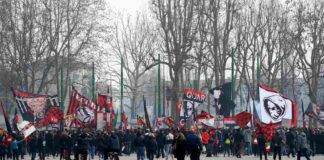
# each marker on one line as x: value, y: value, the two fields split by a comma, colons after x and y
x: 291, y: 142
x: 169, y: 140
x: 115, y: 143
x: 180, y: 146
x: 303, y: 148
x: 276, y: 143
x: 32, y: 146
x: 247, y: 141
x: 41, y: 146
x: 262, y: 146
x: 194, y: 145
x: 81, y: 145
x: 91, y: 146
x: 210, y: 145
x: 127, y: 143
x: 216, y: 143
x: 49, y: 143
x: 65, y: 146
x: 139, y: 146
x: 160, y: 139
x: 14, y: 148
x: 205, y: 140
x: 238, y: 142
x: 226, y: 143
x: 150, y: 146
x: 255, y: 147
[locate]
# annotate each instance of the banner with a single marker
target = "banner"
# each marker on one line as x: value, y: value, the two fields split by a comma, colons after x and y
x: 54, y: 115
x: 168, y: 121
x: 82, y: 110
x: 242, y: 119
x: 33, y: 106
x: 274, y: 107
x: 26, y: 128
x: 101, y: 120
x: 194, y: 95
x: 223, y: 99
x: 205, y: 118
x: 140, y: 121
x: 105, y: 102
x: 229, y: 121
x: 159, y: 123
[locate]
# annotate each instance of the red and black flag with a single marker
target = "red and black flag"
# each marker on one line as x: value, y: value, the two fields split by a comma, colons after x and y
x: 81, y: 109
x: 105, y: 102
x: 33, y: 106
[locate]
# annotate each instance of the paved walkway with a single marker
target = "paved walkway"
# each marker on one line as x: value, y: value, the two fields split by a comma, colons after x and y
x: 133, y: 157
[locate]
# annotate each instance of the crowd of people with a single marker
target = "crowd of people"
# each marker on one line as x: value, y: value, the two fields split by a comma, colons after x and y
x: 168, y: 144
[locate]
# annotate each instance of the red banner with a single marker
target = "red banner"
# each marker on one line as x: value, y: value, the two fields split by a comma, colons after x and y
x: 82, y: 109
x: 242, y: 119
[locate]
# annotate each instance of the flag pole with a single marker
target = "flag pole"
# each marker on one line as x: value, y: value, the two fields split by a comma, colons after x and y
x: 61, y: 96
x: 233, y: 78
x: 159, y: 87
x: 62, y: 88
x: 93, y: 90
x: 121, y: 84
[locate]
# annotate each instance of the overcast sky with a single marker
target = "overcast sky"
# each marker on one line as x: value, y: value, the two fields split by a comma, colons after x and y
x: 130, y: 6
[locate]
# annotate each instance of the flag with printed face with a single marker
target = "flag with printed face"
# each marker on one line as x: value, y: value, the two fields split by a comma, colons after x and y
x: 274, y: 107
x: 33, y: 106
x: 82, y: 109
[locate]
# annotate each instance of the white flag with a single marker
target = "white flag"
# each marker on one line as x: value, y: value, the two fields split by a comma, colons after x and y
x: 273, y: 106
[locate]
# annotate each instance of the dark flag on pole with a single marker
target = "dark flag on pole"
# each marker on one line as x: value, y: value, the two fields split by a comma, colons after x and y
x: 223, y: 95
x: 147, y: 118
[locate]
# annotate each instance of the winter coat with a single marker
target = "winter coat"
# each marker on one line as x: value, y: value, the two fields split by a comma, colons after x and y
x: 193, y: 143
x: 261, y: 141
x: 302, y: 142
x: 139, y: 141
x: 160, y: 139
x: 115, y: 145
x: 276, y: 141
x: 247, y: 135
x: 151, y: 145
x: 180, y: 146
x: 81, y: 142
